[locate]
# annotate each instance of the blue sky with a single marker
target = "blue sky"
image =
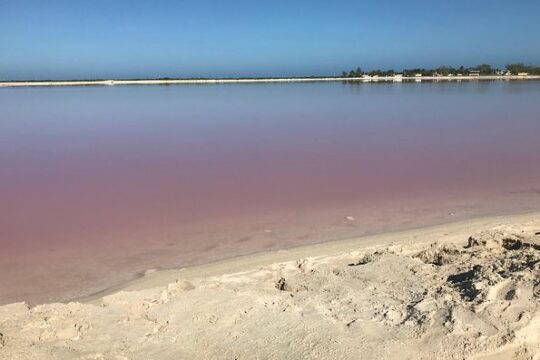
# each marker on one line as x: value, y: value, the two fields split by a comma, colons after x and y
x: 60, y: 39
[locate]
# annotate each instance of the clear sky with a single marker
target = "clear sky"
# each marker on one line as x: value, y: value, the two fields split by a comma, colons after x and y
x: 61, y: 39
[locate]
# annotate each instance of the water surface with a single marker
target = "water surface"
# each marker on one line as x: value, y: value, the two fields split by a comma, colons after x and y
x: 97, y: 183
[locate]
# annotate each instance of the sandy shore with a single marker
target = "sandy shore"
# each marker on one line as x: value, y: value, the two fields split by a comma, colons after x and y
x: 468, y: 289
x: 261, y: 80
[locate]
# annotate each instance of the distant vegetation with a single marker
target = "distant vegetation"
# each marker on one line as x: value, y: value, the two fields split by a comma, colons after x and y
x: 484, y: 69
x: 517, y: 68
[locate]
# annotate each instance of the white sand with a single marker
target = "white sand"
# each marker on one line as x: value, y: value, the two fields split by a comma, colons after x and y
x: 420, y: 294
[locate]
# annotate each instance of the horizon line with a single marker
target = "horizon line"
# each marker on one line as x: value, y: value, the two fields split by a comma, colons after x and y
x: 339, y: 75
x: 365, y: 79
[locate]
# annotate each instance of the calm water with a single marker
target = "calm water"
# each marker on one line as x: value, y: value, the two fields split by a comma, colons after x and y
x: 97, y: 183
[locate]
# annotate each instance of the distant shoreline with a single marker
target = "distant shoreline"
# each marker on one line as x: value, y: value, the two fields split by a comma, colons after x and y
x: 264, y: 80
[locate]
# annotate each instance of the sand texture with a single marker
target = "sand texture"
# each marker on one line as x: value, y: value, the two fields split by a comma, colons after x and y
x: 437, y: 294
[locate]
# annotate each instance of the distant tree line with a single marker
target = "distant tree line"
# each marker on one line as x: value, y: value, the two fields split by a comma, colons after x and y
x: 483, y: 69
x: 522, y: 68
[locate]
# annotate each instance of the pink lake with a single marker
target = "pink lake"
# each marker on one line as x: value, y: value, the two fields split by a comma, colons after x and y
x: 100, y: 183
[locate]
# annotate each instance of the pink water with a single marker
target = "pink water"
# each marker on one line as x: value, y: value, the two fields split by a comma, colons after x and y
x: 99, y: 183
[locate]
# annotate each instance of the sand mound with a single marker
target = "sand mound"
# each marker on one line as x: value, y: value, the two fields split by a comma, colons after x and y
x: 479, y: 298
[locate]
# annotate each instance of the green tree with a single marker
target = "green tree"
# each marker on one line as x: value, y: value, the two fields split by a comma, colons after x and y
x: 522, y: 68
x: 485, y: 69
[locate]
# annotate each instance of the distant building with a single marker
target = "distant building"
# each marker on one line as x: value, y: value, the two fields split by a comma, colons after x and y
x: 398, y: 78
x: 523, y: 74
x: 474, y: 73
x: 418, y: 75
